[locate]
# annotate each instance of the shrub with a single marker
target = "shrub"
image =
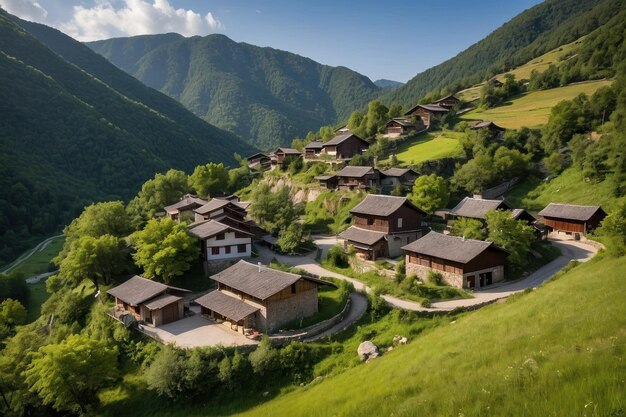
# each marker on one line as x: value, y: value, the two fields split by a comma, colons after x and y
x: 336, y: 256
x: 265, y: 358
x: 435, y: 278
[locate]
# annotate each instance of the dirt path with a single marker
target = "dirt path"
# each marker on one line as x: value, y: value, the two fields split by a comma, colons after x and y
x: 570, y: 250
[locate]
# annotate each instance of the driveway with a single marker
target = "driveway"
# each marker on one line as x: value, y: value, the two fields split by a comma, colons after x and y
x: 196, y: 331
x: 570, y: 250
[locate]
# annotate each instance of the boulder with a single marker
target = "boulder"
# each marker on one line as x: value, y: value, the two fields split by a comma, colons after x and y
x: 367, y: 351
x: 400, y: 340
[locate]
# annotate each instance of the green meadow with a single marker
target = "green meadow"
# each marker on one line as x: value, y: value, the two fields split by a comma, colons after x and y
x: 429, y: 145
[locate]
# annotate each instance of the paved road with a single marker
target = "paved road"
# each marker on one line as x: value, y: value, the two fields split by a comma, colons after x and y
x: 570, y: 250
x: 358, y: 306
x: 41, y: 246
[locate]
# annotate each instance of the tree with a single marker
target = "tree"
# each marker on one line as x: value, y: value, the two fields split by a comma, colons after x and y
x: 100, y: 259
x: 12, y: 313
x: 289, y: 238
x: 264, y: 359
x: 274, y: 210
x: 475, y: 175
x: 164, y: 249
x: 68, y: 375
x: 395, y: 110
x: 510, y: 234
x: 554, y: 163
x: 165, y: 375
x: 161, y: 191
x: 376, y: 117
x: 468, y: 228
x: 13, y: 285
x: 430, y: 192
x: 210, y: 179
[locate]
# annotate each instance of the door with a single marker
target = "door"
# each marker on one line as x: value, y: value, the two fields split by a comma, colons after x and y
x: 169, y: 313
x: 486, y: 278
x: 471, y: 281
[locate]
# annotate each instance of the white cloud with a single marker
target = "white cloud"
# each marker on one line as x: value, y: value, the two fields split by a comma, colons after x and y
x: 26, y: 9
x: 136, y: 17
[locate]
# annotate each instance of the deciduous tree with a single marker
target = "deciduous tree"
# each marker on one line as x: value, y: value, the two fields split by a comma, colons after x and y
x: 430, y: 192
x: 210, y: 179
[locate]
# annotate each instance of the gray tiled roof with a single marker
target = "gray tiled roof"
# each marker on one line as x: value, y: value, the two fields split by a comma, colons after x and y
x: 210, y: 228
x: 260, y: 282
x: 355, y: 171
x: 227, y: 306
x: 340, y: 138
x: 476, y: 208
x: 289, y: 151
x: 162, y: 301
x: 356, y: 234
x: 397, y: 172
x: 569, y: 211
x: 487, y: 123
x: 138, y: 289
x: 382, y: 205
x: 316, y: 144
x: 187, y: 201
x: 449, y: 247
x: 213, y: 204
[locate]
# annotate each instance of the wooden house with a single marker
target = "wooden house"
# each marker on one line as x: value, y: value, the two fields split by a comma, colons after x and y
x: 149, y: 302
x: 429, y: 113
x: 345, y: 146
x: 477, y: 208
x: 327, y: 181
x: 400, y: 126
x: 382, y: 225
x: 184, y: 209
x: 447, y: 102
x: 463, y: 263
x: 572, y: 219
x: 358, y: 178
x: 398, y: 177
x: 222, y: 240
x: 341, y: 130
x: 254, y: 297
x: 313, y: 150
x: 494, y: 82
x: 259, y: 161
x: 488, y: 124
x: 284, y: 155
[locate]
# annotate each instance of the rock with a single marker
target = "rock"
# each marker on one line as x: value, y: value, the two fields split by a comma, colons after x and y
x: 367, y: 351
x: 390, y: 348
x: 400, y: 340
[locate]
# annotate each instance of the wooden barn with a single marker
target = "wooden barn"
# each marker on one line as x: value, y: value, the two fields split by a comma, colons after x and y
x: 394, y: 177
x: 429, y: 113
x: 184, y: 209
x: 358, y: 178
x: 477, y: 208
x: 285, y: 155
x: 313, y: 150
x: 488, y: 124
x: 254, y: 297
x: 572, y: 219
x: 382, y: 225
x: 400, y: 126
x: 447, y: 102
x: 149, y: 302
x: 345, y: 146
x: 327, y: 181
x: 463, y: 263
x: 259, y: 161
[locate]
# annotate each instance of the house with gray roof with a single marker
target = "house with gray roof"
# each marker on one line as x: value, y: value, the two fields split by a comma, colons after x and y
x: 572, y: 219
x: 358, y: 178
x: 429, y: 113
x: 382, y: 225
x: 184, y: 209
x: 463, y: 263
x: 254, y: 297
x: 477, y: 208
x: 343, y: 147
x: 149, y: 302
x: 398, y: 177
x: 399, y: 126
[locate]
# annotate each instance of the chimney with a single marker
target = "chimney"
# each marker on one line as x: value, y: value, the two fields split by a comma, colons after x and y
x: 259, y: 266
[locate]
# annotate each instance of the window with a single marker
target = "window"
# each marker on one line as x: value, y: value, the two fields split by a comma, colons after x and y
x: 399, y: 222
x: 227, y: 249
x: 370, y: 221
x: 220, y: 236
x: 241, y: 248
x: 215, y: 251
x: 293, y: 288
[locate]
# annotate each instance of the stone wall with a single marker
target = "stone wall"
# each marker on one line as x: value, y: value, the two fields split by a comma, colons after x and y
x: 301, y: 305
x: 454, y: 280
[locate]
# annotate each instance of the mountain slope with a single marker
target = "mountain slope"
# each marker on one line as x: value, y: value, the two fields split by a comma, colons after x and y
x: 264, y: 95
x: 526, y: 36
x: 69, y: 137
x: 388, y: 84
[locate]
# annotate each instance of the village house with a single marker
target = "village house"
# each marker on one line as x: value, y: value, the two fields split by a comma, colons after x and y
x: 429, y: 113
x: 220, y: 241
x: 477, y: 208
x: 149, y: 302
x: 184, y: 209
x: 463, y: 263
x: 259, y: 161
x: 358, y: 178
x: 488, y: 124
x: 254, y: 297
x: 382, y: 225
x: 572, y: 219
x: 494, y: 82
x: 223, y: 209
x: 327, y: 181
x: 344, y: 146
x: 341, y: 130
x: 313, y: 150
x: 400, y: 126
x: 447, y: 102
x: 398, y: 177
x: 284, y: 156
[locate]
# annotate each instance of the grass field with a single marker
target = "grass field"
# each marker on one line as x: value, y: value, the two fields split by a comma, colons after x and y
x: 38, y: 295
x: 429, y: 145
x: 331, y: 301
x: 39, y: 262
x: 532, y: 356
x: 533, y: 109
x: 569, y: 187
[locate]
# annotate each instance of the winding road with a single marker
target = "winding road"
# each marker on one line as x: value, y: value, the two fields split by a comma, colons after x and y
x: 23, y: 257
x: 570, y: 251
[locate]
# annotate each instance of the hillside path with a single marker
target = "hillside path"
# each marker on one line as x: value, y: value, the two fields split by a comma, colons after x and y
x: 23, y: 257
x: 570, y: 250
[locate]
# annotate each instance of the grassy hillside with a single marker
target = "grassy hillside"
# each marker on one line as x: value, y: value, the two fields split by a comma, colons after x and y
x: 532, y: 33
x: 549, y: 360
x: 69, y: 137
x: 533, y: 109
x: 429, y: 145
x: 264, y: 95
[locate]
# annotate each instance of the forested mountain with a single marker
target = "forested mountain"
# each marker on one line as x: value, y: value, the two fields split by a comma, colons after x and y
x: 388, y: 84
x: 264, y: 95
x: 528, y: 35
x: 78, y: 129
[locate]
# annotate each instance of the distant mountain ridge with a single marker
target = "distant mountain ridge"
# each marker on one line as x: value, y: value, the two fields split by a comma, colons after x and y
x: 264, y: 95
x: 388, y: 84
x: 75, y: 129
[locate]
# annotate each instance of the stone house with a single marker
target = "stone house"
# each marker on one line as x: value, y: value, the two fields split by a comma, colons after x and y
x: 184, y: 209
x: 572, y: 219
x: 254, y: 297
x: 149, y: 302
x: 463, y: 263
x: 382, y: 225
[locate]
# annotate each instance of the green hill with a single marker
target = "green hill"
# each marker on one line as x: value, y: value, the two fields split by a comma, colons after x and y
x: 78, y: 130
x: 264, y: 95
x: 532, y: 33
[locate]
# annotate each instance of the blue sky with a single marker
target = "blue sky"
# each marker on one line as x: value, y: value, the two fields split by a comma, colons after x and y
x: 392, y: 39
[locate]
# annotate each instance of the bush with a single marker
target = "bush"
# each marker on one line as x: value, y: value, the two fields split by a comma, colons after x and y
x: 435, y: 278
x: 336, y: 256
x: 400, y: 271
x: 265, y: 358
